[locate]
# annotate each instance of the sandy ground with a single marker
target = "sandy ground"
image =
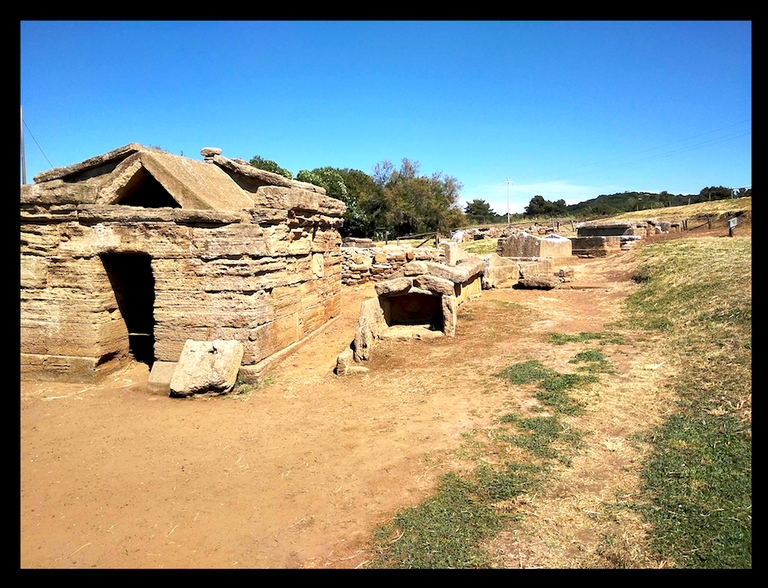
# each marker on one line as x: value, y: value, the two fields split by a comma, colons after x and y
x: 299, y: 473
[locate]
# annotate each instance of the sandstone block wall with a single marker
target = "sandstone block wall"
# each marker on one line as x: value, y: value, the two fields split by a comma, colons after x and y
x: 521, y: 244
x: 265, y: 275
x: 596, y: 246
x: 361, y: 265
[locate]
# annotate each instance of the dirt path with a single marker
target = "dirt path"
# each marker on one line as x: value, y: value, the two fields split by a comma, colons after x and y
x: 299, y: 473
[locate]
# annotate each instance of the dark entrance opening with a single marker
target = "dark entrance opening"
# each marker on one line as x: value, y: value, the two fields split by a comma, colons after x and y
x: 145, y: 191
x: 131, y: 277
x: 415, y: 309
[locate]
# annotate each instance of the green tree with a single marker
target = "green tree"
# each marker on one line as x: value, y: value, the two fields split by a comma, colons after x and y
x: 714, y: 193
x: 539, y: 206
x: 479, y: 211
x: 270, y: 166
x: 355, y: 188
x: 416, y: 204
x: 327, y: 178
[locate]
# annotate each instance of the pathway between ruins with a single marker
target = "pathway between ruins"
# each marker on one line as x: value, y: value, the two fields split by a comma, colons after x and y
x: 300, y: 472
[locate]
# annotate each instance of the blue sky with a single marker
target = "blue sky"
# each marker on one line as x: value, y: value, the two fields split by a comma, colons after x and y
x: 564, y: 109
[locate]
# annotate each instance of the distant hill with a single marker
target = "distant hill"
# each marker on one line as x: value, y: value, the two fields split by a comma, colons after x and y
x: 635, y: 201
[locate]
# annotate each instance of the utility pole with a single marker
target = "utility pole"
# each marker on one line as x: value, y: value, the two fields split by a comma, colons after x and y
x: 508, y: 183
x: 23, y: 163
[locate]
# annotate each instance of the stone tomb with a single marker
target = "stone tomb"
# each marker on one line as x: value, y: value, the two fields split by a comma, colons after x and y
x: 602, y: 239
x: 421, y: 304
x: 522, y: 244
x: 128, y: 255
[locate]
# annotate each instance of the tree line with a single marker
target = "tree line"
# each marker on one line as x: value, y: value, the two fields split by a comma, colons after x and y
x: 401, y: 201
x: 396, y: 201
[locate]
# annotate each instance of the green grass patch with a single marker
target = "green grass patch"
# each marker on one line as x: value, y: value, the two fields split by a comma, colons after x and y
x: 448, y: 529
x: 444, y: 531
x: 525, y: 372
x: 481, y: 246
x: 243, y: 390
x: 593, y: 361
x: 554, y: 392
x: 539, y: 435
x: 698, y: 480
x: 553, y: 386
x: 604, y: 338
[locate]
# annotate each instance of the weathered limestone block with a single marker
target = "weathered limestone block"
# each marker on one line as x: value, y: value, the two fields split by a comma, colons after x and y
x: 33, y: 271
x: 206, y: 309
x: 318, y: 265
x: 459, y: 273
x: 58, y: 191
x: 521, y: 244
x: 206, y: 366
x: 536, y: 266
x: 449, y: 307
x: 538, y: 282
x: 395, y: 285
x: 291, y: 198
x: 499, y: 271
x: 370, y: 323
x: 346, y: 365
x: 453, y: 253
x: 40, y: 239
x: 94, y: 339
x: 605, y: 229
x: 415, y: 268
x: 344, y: 361
x: 159, y: 381
x: 66, y: 368
x: 596, y: 246
x: 434, y: 284
x: 51, y: 212
x: 357, y: 242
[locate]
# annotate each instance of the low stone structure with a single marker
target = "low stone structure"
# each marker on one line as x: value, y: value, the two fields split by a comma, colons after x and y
x: 361, y: 265
x: 500, y: 271
x: 422, y: 303
x: 601, y: 239
x: 357, y: 242
x: 597, y: 246
x: 522, y: 244
x: 133, y: 253
x: 512, y: 271
x: 609, y: 229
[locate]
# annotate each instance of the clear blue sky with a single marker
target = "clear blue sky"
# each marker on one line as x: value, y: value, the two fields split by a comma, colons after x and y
x: 564, y: 109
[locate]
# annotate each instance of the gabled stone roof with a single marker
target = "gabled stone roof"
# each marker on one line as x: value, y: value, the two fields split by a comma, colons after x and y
x: 217, y: 183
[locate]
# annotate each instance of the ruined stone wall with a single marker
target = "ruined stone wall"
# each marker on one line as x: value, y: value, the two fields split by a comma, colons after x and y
x: 361, y: 265
x: 521, y: 244
x: 596, y: 246
x: 266, y: 277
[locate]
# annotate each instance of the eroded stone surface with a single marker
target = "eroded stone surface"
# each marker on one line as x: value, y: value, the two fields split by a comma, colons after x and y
x: 206, y: 367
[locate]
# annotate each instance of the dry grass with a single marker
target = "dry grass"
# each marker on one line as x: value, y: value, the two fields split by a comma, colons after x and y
x: 716, y: 208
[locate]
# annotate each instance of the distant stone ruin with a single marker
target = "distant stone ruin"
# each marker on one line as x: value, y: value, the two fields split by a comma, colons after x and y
x: 602, y: 239
x: 421, y: 303
x: 129, y: 255
x: 522, y: 244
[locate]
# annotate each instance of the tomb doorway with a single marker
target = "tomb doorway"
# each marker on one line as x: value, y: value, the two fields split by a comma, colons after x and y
x: 130, y: 275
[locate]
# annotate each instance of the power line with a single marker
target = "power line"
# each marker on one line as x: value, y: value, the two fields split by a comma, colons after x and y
x: 36, y: 143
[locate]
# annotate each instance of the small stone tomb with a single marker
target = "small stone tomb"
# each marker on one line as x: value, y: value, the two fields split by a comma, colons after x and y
x: 420, y: 304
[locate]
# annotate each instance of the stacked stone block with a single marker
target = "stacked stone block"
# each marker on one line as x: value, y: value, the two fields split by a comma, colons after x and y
x: 361, y: 265
x: 261, y: 265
